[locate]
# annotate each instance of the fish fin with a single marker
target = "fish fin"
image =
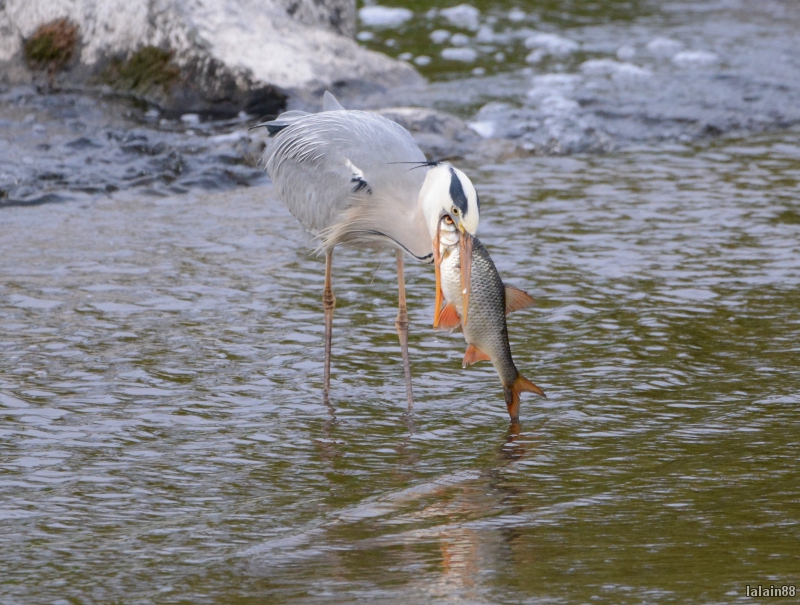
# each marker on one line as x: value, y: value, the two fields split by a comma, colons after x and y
x: 512, y: 393
x: 437, y: 262
x: 449, y: 318
x: 437, y: 304
x: 472, y: 355
x: 517, y: 300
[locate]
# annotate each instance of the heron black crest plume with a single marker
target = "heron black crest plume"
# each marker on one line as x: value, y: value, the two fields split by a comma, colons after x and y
x: 420, y: 164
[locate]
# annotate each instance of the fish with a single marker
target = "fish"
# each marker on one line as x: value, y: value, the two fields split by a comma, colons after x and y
x: 482, y: 315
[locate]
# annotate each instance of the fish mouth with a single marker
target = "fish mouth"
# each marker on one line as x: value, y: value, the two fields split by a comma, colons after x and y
x: 465, y: 245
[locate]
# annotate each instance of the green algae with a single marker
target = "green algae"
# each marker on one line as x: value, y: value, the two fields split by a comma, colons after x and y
x: 148, y: 68
x: 52, y: 45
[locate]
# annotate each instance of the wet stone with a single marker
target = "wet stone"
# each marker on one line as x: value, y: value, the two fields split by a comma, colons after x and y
x: 82, y: 143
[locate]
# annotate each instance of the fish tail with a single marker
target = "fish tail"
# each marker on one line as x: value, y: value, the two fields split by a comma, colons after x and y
x: 512, y: 393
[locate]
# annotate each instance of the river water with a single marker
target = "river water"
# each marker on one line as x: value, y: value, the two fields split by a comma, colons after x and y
x: 163, y: 437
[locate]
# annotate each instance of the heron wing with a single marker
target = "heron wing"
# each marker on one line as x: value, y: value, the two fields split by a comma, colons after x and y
x: 349, y: 177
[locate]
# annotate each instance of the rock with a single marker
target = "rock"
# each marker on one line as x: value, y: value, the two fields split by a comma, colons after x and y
x: 216, y: 57
x: 441, y: 136
x: 52, y: 46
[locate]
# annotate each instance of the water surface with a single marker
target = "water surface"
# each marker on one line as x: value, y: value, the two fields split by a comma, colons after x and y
x: 163, y: 437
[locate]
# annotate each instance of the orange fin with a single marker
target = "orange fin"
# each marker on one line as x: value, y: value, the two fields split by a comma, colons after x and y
x: 437, y: 304
x: 472, y: 355
x: 512, y: 393
x: 449, y: 318
x: 437, y: 262
x: 517, y: 300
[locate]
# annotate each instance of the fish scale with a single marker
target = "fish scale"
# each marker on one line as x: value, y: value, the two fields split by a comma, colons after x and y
x: 486, y: 328
x: 486, y: 325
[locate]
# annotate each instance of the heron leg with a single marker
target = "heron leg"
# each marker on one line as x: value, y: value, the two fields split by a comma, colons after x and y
x: 328, y: 304
x: 402, y: 327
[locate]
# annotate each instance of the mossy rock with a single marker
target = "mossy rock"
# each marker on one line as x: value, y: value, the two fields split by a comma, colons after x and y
x: 52, y: 45
x: 204, y: 86
x: 148, y: 69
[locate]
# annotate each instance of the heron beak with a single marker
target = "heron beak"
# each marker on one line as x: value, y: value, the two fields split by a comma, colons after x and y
x: 437, y: 262
x: 465, y: 252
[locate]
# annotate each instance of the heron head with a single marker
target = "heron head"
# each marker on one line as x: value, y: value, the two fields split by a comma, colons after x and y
x: 449, y: 201
x: 448, y: 192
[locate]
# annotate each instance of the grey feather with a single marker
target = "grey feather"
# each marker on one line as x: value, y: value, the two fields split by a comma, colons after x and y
x: 329, y: 103
x: 282, y: 121
x: 339, y: 173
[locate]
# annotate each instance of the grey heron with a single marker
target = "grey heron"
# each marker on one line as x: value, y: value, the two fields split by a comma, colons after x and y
x: 356, y: 178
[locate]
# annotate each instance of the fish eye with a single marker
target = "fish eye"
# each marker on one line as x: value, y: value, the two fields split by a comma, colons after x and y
x: 448, y: 220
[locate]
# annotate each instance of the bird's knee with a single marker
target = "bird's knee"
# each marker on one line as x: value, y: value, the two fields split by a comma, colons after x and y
x: 328, y: 300
x: 402, y: 320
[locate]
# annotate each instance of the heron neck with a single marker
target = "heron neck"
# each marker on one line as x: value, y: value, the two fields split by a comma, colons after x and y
x: 422, y: 248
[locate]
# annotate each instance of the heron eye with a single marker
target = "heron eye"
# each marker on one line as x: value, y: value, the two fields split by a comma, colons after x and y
x: 455, y: 210
x: 448, y: 220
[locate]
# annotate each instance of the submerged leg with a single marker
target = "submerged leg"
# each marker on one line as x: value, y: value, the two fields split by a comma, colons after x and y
x: 402, y: 327
x: 328, y: 303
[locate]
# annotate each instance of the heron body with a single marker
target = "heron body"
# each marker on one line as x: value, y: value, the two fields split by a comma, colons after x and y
x: 349, y: 177
x: 356, y: 178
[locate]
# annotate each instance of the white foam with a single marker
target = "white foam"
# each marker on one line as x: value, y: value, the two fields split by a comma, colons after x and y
x: 600, y: 67
x: 560, y: 82
x: 422, y: 60
x: 609, y: 67
x: 231, y: 137
x: 626, y: 52
x: 459, y: 40
x: 517, y: 15
x: 556, y: 104
x: 465, y: 55
x: 440, y: 36
x: 549, y: 93
x: 535, y: 56
x: 485, y: 34
x: 695, y: 58
x: 552, y: 43
x: 664, y: 47
x: 384, y: 16
x: 629, y: 70
x: 462, y: 15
